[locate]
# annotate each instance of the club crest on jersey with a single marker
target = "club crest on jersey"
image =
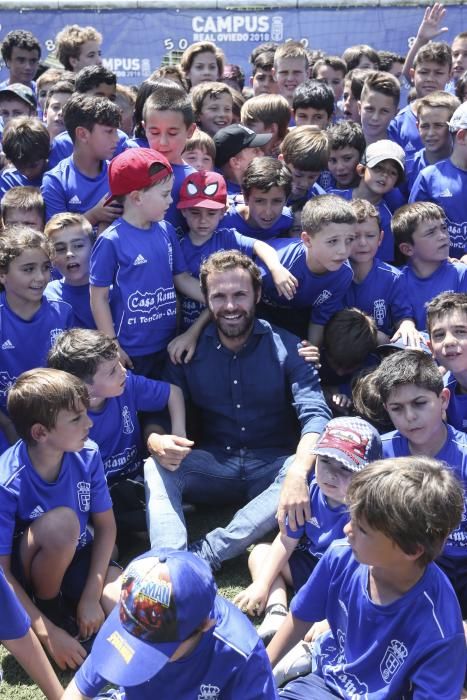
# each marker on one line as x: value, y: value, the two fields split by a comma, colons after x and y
x: 5, y: 383
x: 379, y: 311
x: 392, y: 659
x: 84, y: 495
x: 54, y: 333
x: 208, y: 692
x: 128, y: 426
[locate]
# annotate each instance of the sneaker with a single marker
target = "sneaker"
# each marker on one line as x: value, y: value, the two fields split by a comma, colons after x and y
x: 297, y: 662
x: 273, y: 619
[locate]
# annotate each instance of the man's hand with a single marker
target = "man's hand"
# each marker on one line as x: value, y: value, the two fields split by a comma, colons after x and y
x: 64, y: 649
x: 169, y: 450
x: 182, y: 348
x: 341, y: 403
x: 89, y: 616
x: 253, y: 599
x: 309, y: 352
x: 294, y: 502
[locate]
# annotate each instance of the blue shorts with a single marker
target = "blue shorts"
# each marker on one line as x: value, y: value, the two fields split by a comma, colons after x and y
x: 301, y: 564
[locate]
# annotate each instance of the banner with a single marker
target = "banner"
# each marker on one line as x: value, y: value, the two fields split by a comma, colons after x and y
x: 136, y: 42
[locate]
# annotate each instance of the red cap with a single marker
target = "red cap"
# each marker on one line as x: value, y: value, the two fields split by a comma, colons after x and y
x: 203, y: 189
x: 129, y: 171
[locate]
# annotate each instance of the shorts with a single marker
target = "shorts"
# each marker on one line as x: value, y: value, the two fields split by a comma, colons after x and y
x: 301, y: 564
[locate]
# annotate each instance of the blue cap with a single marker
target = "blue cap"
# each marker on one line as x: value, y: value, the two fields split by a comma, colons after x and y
x: 166, y: 595
x: 351, y: 441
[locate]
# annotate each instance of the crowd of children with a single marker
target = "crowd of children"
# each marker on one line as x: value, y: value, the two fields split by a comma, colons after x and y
x: 349, y: 192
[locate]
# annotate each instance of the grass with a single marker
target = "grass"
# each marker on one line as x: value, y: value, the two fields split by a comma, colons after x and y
x: 231, y: 580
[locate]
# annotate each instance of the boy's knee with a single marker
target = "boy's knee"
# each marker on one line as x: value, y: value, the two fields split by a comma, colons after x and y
x: 57, y: 528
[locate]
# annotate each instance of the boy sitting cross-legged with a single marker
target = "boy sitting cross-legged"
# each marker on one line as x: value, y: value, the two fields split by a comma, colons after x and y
x: 396, y: 629
x: 52, y: 487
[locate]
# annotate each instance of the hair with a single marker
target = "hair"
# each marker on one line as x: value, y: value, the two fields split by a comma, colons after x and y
x: 69, y: 41
x: 388, y: 58
x: 334, y: 62
x: 38, y: 396
x: 357, y: 77
x: 440, y: 99
x: 367, y: 402
x: 407, y: 218
x: 212, y: 90
x: 51, y: 75
x: 62, y: 86
x: 172, y: 72
x: 267, y: 47
x: 19, y: 39
x: 416, y: 501
x: 265, y: 172
x: 353, y: 54
x: 168, y: 96
x: 61, y: 221
x: 22, y: 197
x: 80, y: 351
x: 87, y: 111
x: 238, y: 102
x: 90, y: 77
x: 189, y: 55
x: 408, y: 367
x: 461, y: 86
x: 25, y: 141
x: 264, y: 62
x: 382, y: 83
x: 225, y: 260
x: 345, y: 134
x: 269, y: 109
x: 445, y: 304
x: 19, y: 239
x: 434, y: 52
x: 349, y: 336
x: 315, y: 94
x: 125, y: 94
x: 306, y: 148
x: 146, y: 88
x: 291, y: 49
x: 364, y: 210
x: 326, y: 209
x: 203, y: 141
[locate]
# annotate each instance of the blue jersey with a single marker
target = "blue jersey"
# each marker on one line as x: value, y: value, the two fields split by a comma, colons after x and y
x: 454, y: 454
x: 195, y: 255
x: 381, y: 295
x: 414, y: 167
x: 281, y: 227
x: 445, y: 184
x: 449, y: 277
x: 140, y: 264
x: 412, y: 648
x: 116, y: 427
x: 403, y: 130
x: 25, y: 344
x: 65, y: 188
x: 77, y: 297
x: 322, y: 295
x: 386, y: 247
x: 173, y: 215
x: 457, y: 409
x: 11, y: 177
x: 62, y: 146
x: 25, y: 495
x: 326, y: 524
x: 14, y: 621
x: 229, y: 663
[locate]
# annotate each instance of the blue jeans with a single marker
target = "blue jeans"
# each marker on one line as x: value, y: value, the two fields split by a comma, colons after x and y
x: 311, y: 687
x: 254, y: 477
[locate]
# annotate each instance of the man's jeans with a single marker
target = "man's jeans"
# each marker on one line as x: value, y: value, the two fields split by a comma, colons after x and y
x: 255, y: 477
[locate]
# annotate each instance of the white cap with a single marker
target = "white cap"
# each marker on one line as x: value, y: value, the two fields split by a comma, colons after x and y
x: 383, y: 150
x: 459, y: 118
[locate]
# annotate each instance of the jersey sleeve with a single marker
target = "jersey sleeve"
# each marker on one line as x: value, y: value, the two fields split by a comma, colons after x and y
x: 53, y: 194
x: 100, y: 496
x: 322, y: 312
x: 8, y: 509
x: 253, y: 680
x: 419, y: 191
x: 245, y: 244
x: 150, y: 394
x: 399, y: 302
x: 14, y: 621
x: 178, y: 259
x: 440, y: 674
x: 103, y: 264
x: 87, y: 680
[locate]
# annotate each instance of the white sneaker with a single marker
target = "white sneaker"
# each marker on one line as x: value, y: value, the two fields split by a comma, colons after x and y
x: 273, y: 619
x: 296, y: 663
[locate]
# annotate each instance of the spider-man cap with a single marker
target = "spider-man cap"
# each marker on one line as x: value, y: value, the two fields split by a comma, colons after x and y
x: 203, y: 189
x: 166, y: 595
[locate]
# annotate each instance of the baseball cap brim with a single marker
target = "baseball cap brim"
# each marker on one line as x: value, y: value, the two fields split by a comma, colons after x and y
x: 201, y: 202
x: 259, y: 140
x: 351, y: 465
x: 16, y: 95
x: 123, y: 659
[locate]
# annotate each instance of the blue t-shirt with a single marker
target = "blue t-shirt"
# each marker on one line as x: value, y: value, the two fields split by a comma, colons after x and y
x: 77, y: 297
x: 11, y: 177
x: 229, y: 663
x: 116, y: 427
x: 381, y: 295
x: 25, y: 344
x: 25, y: 495
x: 14, y: 621
x: 326, y: 524
x: 195, y: 255
x: 413, y: 648
x: 403, y: 130
x: 414, y: 167
x: 233, y: 219
x: 457, y: 408
x: 445, y: 184
x: 449, y: 277
x: 454, y: 454
x: 173, y: 215
x: 141, y: 265
x: 322, y: 294
x: 62, y: 146
x: 65, y: 188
